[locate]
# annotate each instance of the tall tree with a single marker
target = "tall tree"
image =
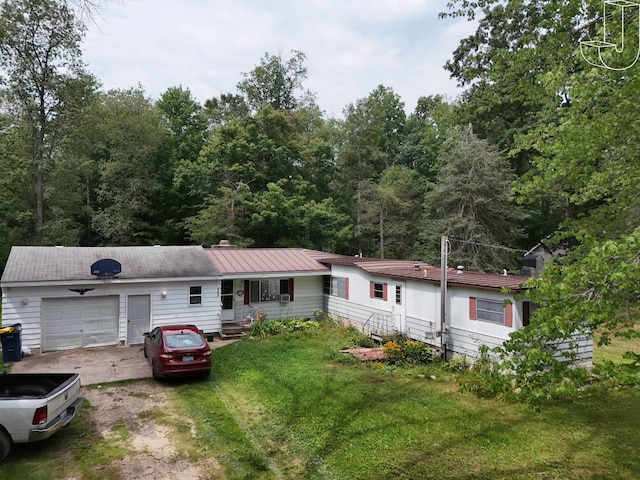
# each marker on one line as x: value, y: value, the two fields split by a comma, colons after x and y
x: 40, y: 53
x: 373, y: 131
x: 131, y: 131
x: 187, y: 132
x: 471, y: 204
x: 277, y: 82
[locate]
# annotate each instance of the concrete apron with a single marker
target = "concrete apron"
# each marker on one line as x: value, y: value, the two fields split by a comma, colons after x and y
x: 96, y: 364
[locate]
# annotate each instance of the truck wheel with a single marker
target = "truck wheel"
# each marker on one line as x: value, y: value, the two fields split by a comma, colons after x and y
x: 5, y: 444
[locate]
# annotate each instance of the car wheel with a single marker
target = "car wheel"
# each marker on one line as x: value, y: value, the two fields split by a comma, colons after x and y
x: 144, y: 350
x: 5, y: 444
x: 206, y: 374
x: 154, y: 373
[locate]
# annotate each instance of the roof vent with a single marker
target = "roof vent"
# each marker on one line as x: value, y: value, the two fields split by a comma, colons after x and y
x: 416, y: 267
x: 460, y: 269
x: 224, y: 244
x: 106, y: 268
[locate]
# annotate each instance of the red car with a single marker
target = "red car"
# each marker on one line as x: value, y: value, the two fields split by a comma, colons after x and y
x: 177, y: 350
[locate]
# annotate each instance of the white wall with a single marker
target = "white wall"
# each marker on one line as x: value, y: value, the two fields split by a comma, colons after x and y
x: 23, y: 305
x: 307, y: 297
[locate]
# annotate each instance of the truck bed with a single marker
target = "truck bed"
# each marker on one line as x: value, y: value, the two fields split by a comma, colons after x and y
x: 33, y: 385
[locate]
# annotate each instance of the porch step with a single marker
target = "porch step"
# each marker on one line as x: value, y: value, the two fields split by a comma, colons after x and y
x: 376, y: 337
x: 228, y: 336
x: 234, y: 330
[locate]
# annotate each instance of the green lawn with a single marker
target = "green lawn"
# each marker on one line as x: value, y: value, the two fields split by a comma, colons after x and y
x: 293, y: 407
x: 296, y: 408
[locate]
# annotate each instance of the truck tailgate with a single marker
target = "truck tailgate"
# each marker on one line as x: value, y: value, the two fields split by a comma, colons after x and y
x: 62, y: 397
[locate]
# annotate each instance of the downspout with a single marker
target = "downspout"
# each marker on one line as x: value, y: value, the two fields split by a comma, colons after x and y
x: 443, y: 290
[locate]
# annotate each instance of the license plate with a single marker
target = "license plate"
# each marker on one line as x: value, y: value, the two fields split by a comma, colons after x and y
x: 63, y: 415
x: 187, y: 359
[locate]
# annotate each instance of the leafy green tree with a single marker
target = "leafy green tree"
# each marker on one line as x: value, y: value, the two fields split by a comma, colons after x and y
x: 471, y: 204
x: 426, y: 132
x: 41, y: 57
x: 131, y: 131
x: 373, y: 131
x: 187, y: 129
x: 277, y: 82
x: 228, y: 107
x: 391, y: 211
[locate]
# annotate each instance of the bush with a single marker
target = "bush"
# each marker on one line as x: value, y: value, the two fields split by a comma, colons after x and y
x: 412, y: 352
x: 264, y: 328
x: 456, y: 365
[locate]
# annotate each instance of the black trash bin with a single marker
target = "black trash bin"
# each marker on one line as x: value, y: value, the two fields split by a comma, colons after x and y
x: 12, y: 344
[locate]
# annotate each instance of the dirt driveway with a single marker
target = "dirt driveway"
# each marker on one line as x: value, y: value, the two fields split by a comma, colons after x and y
x: 141, y: 417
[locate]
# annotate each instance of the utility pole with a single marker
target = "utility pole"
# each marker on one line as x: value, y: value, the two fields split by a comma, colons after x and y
x: 444, y: 244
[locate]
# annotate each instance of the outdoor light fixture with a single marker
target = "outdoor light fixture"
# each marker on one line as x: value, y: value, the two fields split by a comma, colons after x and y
x: 164, y: 294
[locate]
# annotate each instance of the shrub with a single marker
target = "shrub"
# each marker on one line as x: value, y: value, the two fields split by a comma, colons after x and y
x: 456, y: 365
x: 264, y: 328
x: 412, y: 352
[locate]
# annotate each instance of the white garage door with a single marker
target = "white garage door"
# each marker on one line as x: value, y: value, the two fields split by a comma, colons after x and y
x: 79, y: 322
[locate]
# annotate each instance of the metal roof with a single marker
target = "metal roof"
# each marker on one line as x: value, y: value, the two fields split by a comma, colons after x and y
x: 40, y: 264
x: 428, y: 273
x: 238, y: 261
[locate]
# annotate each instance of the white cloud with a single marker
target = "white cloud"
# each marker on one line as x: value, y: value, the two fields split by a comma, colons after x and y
x: 351, y: 45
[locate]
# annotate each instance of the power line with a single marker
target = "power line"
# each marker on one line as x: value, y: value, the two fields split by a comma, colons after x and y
x: 489, y: 246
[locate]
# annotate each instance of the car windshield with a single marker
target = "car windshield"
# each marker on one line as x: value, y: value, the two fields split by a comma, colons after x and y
x: 183, y: 340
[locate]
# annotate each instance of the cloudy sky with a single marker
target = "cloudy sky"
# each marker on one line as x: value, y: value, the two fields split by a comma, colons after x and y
x: 205, y: 45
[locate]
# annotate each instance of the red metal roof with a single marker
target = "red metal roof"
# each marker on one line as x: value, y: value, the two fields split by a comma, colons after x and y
x: 231, y: 260
x: 423, y: 271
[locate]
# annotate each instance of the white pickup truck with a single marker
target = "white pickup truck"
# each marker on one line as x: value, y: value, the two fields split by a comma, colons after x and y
x: 34, y: 406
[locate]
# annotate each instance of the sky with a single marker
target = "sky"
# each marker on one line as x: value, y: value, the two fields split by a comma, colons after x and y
x: 205, y: 46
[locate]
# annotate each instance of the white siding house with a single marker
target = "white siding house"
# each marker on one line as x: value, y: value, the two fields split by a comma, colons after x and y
x: 383, y: 297
x: 267, y: 282
x: 61, y: 304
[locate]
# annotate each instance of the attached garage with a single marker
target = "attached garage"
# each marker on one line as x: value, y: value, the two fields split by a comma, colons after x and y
x: 77, y: 297
x: 79, y: 322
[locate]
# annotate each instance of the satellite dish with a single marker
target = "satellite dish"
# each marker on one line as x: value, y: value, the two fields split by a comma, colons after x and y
x: 105, y: 268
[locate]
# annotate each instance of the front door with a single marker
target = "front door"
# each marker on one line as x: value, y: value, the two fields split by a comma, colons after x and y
x: 138, y: 317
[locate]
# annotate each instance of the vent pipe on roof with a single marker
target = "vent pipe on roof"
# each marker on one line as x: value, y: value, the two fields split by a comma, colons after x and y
x: 460, y: 269
x: 224, y: 244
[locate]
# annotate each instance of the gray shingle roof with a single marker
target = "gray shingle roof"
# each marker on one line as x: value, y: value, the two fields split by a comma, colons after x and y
x: 41, y: 264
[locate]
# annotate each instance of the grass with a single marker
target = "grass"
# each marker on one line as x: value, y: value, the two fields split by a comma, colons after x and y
x: 292, y: 407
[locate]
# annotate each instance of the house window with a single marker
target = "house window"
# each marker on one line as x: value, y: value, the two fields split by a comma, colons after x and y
x: 336, y: 287
x: 378, y: 290
x: 492, y: 311
x: 398, y: 295
x: 226, y: 295
x: 270, y: 290
x: 195, y: 295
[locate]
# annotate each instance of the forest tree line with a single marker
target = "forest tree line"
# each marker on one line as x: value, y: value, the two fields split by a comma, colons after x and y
x: 540, y: 144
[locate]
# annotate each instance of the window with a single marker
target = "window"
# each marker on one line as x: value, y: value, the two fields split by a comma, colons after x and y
x: 269, y: 290
x: 398, y: 295
x: 226, y: 295
x: 492, y: 311
x: 195, y: 295
x: 336, y: 287
x: 378, y: 290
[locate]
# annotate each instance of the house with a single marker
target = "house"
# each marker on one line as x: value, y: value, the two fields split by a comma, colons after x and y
x: 73, y: 297
x: 268, y: 282
x: 62, y: 302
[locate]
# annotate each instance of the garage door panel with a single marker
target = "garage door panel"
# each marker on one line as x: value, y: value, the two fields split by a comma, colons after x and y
x: 79, y: 322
